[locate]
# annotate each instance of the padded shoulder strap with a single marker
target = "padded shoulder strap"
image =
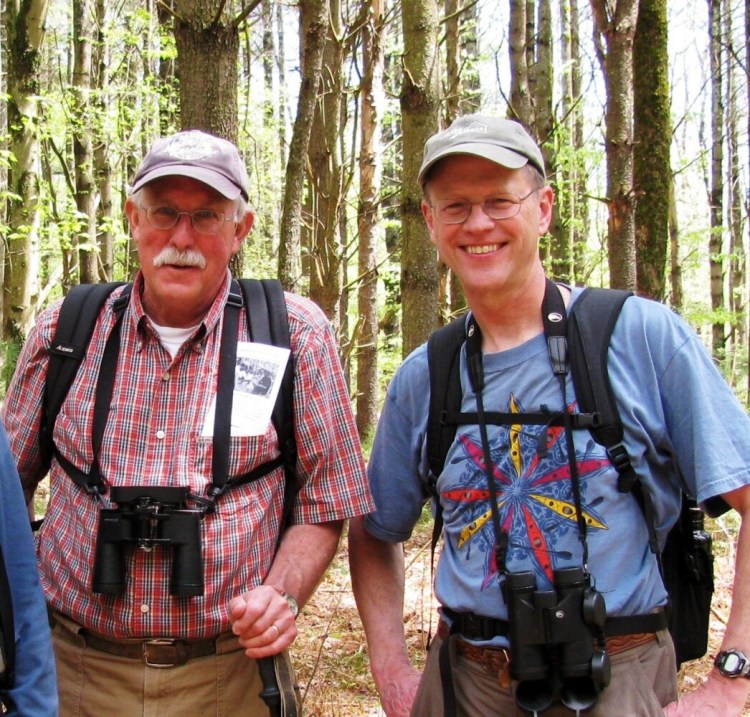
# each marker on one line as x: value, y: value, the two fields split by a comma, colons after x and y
x: 593, y: 319
x: 443, y: 360
x: 268, y: 323
x: 75, y: 326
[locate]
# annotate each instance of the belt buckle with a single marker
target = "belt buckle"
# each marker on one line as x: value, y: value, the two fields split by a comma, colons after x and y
x: 162, y: 642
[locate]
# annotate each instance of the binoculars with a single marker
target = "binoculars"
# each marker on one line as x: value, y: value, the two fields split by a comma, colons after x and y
x: 147, y: 517
x: 553, y: 635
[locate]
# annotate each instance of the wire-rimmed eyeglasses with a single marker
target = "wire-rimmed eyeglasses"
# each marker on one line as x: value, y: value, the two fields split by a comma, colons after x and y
x: 205, y: 221
x: 501, y: 206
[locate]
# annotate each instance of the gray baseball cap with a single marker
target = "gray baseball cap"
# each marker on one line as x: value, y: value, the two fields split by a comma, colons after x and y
x: 209, y: 159
x: 502, y: 141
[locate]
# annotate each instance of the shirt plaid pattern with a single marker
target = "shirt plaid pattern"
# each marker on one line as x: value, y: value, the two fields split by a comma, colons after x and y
x: 153, y: 437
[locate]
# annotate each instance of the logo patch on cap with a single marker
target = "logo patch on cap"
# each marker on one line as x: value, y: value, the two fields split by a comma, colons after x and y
x: 189, y: 146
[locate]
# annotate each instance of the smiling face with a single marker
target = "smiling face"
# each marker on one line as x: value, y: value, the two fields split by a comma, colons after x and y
x: 176, y: 294
x: 488, y: 256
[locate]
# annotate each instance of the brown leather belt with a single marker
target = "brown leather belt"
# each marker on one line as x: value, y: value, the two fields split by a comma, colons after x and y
x: 496, y: 659
x: 156, y: 651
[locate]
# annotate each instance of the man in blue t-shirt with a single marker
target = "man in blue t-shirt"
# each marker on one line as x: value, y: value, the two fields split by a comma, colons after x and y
x: 486, y: 203
x: 34, y: 691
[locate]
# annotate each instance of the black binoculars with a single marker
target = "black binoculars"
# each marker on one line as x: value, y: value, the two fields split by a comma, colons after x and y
x: 553, y: 636
x: 147, y: 517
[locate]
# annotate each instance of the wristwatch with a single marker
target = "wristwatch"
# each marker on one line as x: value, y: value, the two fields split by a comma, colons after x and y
x: 733, y: 663
x: 290, y: 600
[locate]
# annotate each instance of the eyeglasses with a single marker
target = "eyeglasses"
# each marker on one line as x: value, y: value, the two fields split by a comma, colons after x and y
x: 502, y: 206
x: 205, y: 221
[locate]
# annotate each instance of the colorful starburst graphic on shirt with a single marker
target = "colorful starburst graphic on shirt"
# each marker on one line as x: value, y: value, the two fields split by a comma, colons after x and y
x: 533, y: 489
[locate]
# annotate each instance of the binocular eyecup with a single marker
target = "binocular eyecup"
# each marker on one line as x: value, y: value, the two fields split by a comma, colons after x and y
x: 553, y: 636
x: 147, y: 517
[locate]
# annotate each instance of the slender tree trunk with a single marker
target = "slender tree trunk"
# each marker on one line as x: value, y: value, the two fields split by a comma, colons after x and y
x: 24, y: 28
x: 675, y: 265
x: 103, y: 175
x: 736, y: 265
x: 83, y: 152
x: 653, y: 134
x: 520, y: 95
x: 716, y: 198
x: 615, y: 23
x: 369, y: 199
x: 325, y: 184
x: 314, y: 30
x: 419, y: 117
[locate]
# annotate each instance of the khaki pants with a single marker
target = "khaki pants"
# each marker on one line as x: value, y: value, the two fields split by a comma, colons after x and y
x: 644, y: 679
x: 96, y: 684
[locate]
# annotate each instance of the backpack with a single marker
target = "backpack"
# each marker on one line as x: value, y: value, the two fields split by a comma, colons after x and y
x: 686, y: 563
x: 266, y: 313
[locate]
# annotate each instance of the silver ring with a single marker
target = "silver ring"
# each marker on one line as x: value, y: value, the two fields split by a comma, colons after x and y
x: 278, y: 633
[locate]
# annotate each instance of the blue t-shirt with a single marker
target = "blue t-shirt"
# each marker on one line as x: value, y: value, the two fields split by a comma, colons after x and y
x: 35, y: 691
x: 680, y: 419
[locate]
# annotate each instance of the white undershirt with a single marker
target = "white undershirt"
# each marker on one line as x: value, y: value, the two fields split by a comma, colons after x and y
x: 172, y: 339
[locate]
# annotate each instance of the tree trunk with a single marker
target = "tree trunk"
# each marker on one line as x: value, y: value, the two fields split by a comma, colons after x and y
x: 83, y: 153
x: 103, y: 175
x: 24, y: 28
x: 314, y: 22
x: 419, y: 116
x: 325, y: 183
x: 369, y: 199
x: 652, y: 174
x: 208, y: 44
x: 736, y: 264
x: 716, y: 191
x: 618, y: 31
x: 520, y: 98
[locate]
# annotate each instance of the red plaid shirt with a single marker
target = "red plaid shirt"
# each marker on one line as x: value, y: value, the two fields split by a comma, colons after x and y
x: 154, y: 437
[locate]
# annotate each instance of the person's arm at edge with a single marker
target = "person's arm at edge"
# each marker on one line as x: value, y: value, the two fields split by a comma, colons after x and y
x: 377, y: 573
x: 721, y: 696
x: 35, y: 689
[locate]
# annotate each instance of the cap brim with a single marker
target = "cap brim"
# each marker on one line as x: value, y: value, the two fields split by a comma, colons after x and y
x: 213, y: 179
x: 499, y: 155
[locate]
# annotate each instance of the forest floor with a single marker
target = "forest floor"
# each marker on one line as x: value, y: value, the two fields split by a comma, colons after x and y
x: 330, y: 654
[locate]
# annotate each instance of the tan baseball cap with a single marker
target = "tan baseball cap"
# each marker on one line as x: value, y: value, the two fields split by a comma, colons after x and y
x: 502, y: 141
x: 209, y: 159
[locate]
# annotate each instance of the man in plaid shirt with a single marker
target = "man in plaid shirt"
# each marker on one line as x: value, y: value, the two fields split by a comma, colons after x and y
x: 188, y: 216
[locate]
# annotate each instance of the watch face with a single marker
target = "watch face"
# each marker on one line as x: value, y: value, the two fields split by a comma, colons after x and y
x: 731, y: 663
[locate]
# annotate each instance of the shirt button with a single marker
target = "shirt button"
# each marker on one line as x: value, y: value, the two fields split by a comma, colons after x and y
x: 144, y: 609
x: 166, y: 376
x: 160, y: 435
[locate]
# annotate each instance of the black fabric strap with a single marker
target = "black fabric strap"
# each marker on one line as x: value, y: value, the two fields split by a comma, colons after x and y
x: 225, y: 393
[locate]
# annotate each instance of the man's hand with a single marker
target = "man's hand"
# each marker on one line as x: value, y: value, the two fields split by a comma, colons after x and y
x: 398, y: 689
x: 718, y: 696
x: 263, y: 621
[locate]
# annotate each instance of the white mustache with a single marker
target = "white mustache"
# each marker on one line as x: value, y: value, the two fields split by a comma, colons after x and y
x: 175, y: 257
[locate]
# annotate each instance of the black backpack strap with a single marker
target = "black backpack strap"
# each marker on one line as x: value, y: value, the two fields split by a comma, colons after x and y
x: 444, y: 362
x: 75, y: 326
x: 7, y: 629
x: 593, y: 318
x: 268, y: 323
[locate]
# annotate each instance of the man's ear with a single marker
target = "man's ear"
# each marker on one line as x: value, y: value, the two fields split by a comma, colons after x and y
x: 429, y: 218
x: 546, y: 200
